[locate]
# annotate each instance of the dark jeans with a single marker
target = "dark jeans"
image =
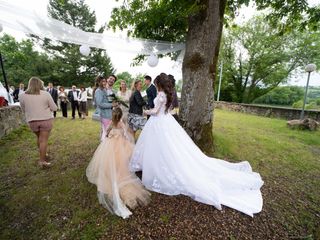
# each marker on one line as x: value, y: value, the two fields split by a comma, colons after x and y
x: 74, y: 106
x: 64, y: 109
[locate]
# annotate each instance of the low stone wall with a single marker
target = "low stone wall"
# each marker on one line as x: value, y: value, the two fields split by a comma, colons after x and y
x: 10, y: 118
x: 268, y: 111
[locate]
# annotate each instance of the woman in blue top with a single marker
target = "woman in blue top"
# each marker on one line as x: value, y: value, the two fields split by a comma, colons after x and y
x: 105, y: 107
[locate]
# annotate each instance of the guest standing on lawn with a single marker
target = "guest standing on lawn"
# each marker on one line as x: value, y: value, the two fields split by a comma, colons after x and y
x: 124, y: 94
x: 73, y: 97
x: 83, y: 102
x: 136, y: 120
x: 63, y: 97
x: 54, y: 94
x: 105, y: 107
x: 38, y: 106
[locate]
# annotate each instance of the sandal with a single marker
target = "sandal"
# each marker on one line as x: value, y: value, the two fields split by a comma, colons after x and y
x: 44, y: 164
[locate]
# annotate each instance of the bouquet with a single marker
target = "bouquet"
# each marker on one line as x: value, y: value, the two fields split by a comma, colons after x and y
x: 113, y: 98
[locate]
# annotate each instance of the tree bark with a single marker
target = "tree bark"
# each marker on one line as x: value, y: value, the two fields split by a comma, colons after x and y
x: 199, y: 72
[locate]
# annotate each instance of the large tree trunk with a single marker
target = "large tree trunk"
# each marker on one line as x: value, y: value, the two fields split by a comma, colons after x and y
x: 199, y: 72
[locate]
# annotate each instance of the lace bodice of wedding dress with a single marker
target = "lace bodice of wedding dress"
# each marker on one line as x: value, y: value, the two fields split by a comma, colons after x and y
x: 159, y: 105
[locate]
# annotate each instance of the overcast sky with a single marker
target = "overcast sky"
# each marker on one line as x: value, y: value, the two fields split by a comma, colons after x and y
x: 121, y: 61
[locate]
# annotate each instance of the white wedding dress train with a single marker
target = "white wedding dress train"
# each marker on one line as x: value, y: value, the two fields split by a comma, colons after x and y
x: 172, y: 164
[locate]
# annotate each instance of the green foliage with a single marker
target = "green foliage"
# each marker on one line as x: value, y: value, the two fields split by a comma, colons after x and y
x: 314, y: 92
x: 161, y: 20
x: 256, y: 59
x: 126, y: 76
x: 286, y: 95
x: 179, y: 85
x: 298, y: 104
x: 312, y: 101
x: 311, y: 105
x: 74, y: 68
x: 152, y: 19
x: 168, y: 20
x: 22, y: 61
x: 291, y: 96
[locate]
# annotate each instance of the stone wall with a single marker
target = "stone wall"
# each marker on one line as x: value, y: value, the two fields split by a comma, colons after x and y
x: 10, y: 118
x: 268, y: 111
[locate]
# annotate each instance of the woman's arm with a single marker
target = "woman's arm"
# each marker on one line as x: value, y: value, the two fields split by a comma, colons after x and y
x: 53, y: 107
x: 154, y: 111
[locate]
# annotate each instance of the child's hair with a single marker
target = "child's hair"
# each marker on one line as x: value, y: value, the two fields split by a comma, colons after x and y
x: 116, y: 116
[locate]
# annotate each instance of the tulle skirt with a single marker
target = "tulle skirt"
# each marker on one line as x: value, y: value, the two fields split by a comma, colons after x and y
x: 172, y: 164
x: 109, y: 171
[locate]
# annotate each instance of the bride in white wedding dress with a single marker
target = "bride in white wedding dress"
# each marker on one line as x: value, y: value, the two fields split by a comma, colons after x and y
x: 172, y: 164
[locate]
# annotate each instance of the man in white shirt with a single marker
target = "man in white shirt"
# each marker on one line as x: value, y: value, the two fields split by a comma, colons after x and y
x: 73, y: 96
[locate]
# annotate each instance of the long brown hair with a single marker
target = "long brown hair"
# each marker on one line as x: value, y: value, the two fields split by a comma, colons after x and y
x: 34, y: 86
x: 163, y: 83
x: 96, y: 85
x: 134, y: 84
x: 116, y: 116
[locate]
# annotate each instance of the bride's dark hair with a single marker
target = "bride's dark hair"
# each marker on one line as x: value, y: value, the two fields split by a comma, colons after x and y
x: 163, y: 83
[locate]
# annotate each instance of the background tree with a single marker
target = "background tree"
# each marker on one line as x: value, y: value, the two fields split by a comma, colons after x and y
x: 200, y: 24
x: 74, y: 68
x: 256, y: 58
x: 22, y: 61
x: 129, y: 79
x: 126, y: 76
x: 286, y: 95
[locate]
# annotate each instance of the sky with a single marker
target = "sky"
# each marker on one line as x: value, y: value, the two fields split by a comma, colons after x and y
x: 121, y: 61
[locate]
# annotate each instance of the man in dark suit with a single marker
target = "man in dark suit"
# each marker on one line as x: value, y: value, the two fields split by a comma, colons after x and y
x: 18, y: 91
x: 151, y: 91
x: 73, y: 96
x: 54, y: 94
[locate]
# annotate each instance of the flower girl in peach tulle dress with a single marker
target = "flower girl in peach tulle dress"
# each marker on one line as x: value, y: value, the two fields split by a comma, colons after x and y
x: 117, y: 187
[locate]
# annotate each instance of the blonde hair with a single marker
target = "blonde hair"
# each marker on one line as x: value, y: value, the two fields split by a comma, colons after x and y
x: 134, y: 84
x: 122, y: 81
x: 34, y: 86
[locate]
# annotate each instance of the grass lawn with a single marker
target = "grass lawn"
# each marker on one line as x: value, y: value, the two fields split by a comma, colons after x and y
x: 59, y: 203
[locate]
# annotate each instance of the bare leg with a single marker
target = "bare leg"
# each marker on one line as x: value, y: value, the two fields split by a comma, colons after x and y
x: 38, y: 140
x: 38, y: 144
x: 44, y: 136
